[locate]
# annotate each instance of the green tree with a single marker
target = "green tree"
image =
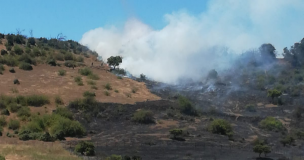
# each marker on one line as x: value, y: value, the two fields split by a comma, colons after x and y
x: 85, y: 148
x: 262, y: 148
x: 31, y: 41
x: 114, y: 61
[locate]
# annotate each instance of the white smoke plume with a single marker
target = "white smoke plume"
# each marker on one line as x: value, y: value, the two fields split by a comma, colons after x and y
x: 191, y: 45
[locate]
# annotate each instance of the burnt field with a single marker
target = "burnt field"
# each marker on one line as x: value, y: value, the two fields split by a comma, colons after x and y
x: 113, y: 132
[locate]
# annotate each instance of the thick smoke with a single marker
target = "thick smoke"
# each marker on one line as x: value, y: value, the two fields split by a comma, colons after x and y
x: 191, y: 45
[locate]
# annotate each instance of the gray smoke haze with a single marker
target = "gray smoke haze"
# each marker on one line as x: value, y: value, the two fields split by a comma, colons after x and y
x: 191, y: 45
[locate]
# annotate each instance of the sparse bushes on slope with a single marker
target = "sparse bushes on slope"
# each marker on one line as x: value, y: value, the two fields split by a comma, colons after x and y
x: 18, y: 50
x: 108, y: 86
x: 37, y: 100
x: 24, y: 111
x: 85, y: 148
x: 89, y: 94
x: 271, y: 124
x: 143, y: 116
x: 64, y: 112
x: 85, y: 71
x: 78, y: 80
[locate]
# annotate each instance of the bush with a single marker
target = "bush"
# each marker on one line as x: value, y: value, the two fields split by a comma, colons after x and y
x: 59, y: 57
x: 18, y: 50
x: 177, y: 134
x: 2, y: 121
x: 12, y: 70
x: 77, y: 79
x: 186, y: 106
x: 93, y: 76
x: 90, y: 82
x: 13, y: 124
x: 107, y: 93
x: 67, y: 127
x: 16, y: 81
x: 46, y: 137
x: 85, y: 148
x: 134, y: 90
x: 261, y: 149
x: 3, y: 52
x: 271, y: 124
x: 68, y: 56
x: 69, y: 64
x: 220, y: 126
x: 5, y: 112
x: 58, y: 100
x: 2, y: 157
x: 94, y: 87
x: 85, y: 71
x: 250, y: 108
x: 79, y: 59
x: 108, y: 86
x: 116, y: 157
x: 25, y: 66
x: 143, y: 116
x: 64, y: 112
x: 14, y: 107
x: 51, y: 62
x: 2, y: 67
x: 61, y: 72
x: 37, y: 100
x: 24, y: 111
x: 89, y: 94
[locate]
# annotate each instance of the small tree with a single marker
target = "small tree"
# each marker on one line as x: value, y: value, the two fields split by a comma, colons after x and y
x: 262, y: 148
x: 114, y: 61
x: 273, y: 93
x: 31, y: 41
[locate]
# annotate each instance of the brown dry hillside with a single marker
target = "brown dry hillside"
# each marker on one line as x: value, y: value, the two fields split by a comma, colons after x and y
x: 44, y: 79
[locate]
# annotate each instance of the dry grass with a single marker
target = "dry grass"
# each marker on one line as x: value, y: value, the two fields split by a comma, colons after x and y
x: 36, y: 151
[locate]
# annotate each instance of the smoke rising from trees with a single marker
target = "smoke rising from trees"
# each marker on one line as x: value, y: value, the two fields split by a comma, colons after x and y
x: 189, y: 46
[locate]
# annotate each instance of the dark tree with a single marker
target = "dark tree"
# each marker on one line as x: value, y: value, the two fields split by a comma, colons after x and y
x: 268, y: 54
x: 114, y: 61
x: 31, y: 41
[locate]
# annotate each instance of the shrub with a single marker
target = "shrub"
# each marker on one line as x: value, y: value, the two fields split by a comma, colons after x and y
x: 85, y: 148
x: 134, y: 90
x: 46, y: 137
x: 51, y: 62
x: 58, y: 100
x: 94, y: 87
x: 25, y: 66
x: 5, y: 112
x: 59, y: 57
x: 79, y: 59
x: 2, y: 121
x: 68, y: 56
x: 250, y: 108
x: 16, y: 81
x: 271, y: 124
x: 3, y: 52
x: 31, y: 41
x: 273, y: 93
x: 90, y: 82
x: 85, y: 71
x: 64, y: 112
x: 143, y: 116
x: 186, y: 106
x: 177, y: 134
x: 119, y: 77
x: 108, y: 86
x: 28, y: 50
x: 89, y: 94
x: 67, y: 127
x: 24, y: 111
x: 69, y: 64
x: 12, y: 70
x: 116, y: 157
x: 116, y: 91
x: 107, y: 93
x: 13, y: 124
x: 36, y: 52
x: 61, y: 72
x: 37, y: 100
x: 2, y: 157
x: 220, y: 126
x: 18, y: 50
x: 14, y: 107
x: 93, y: 76
x: 77, y: 79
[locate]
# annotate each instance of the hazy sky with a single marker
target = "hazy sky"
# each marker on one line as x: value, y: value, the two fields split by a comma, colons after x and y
x: 73, y: 18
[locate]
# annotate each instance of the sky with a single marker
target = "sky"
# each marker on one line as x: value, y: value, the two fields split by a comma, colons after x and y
x: 167, y: 40
x: 48, y: 18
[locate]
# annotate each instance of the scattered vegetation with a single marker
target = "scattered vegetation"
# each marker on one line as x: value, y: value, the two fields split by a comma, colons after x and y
x: 186, y: 106
x: 78, y: 80
x: 108, y: 86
